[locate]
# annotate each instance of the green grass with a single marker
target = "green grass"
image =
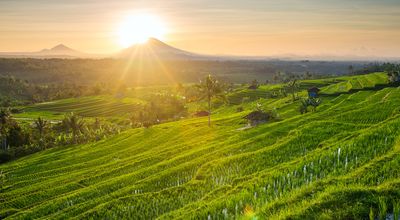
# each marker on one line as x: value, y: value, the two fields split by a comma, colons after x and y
x: 94, y: 106
x: 349, y: 83
x: 337, y: 163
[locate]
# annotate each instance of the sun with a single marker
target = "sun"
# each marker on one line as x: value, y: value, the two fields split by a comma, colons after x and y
x: 138, y: 28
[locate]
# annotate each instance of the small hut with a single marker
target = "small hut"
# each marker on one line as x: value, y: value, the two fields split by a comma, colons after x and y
x: 253, y: 87
x: 257, y: 117
x: 313, y: 92
x: 201, y: 114
x: 394, y: 77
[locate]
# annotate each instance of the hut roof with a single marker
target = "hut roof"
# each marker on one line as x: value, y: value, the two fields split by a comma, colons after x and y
x: 257, y: 115
x: 252, y: 87
x: 201, y: 113
x: 313, y: 89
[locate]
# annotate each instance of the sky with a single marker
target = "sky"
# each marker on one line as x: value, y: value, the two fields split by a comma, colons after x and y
x: 251, y: 27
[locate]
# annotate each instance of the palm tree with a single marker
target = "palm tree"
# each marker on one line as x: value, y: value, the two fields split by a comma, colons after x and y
x: 275, y: 78
x: 314, y: 102
x: 351, y: 69
x: 254, y: 83
x: 308, y: 75
x: 40, y: 125
x: 293, y: 87
x: 304, y: 103
x: 75, y: 124
x: 303, y: 106
x: 96, y: 124
x: 210, y: 88
x: 5, y: 118
x: 180, y: 89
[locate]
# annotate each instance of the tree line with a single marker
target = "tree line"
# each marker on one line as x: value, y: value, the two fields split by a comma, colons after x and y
x: 18, y: 139
x: 14, y: 91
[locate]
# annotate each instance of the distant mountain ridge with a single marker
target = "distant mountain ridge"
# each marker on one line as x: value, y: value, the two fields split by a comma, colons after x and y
x: 156, y: 49
x: 152, y: 49
x: 58, y: 51
x: 59, y: 48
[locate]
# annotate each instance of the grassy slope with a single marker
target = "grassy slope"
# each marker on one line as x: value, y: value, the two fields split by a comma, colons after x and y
x: 335, y: 162
x: 92, y: 106
x: 110, y: 106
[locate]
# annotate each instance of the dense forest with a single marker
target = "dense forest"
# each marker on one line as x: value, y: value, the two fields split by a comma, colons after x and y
x: 15, y: 91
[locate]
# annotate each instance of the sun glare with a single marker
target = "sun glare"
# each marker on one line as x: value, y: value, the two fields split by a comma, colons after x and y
x: 137, y: 29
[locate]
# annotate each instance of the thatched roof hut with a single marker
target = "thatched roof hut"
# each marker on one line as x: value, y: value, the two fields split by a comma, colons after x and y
x: 313, y: 92
x: 201, y: 113
x: 253, y: 87
x: 257, y: 117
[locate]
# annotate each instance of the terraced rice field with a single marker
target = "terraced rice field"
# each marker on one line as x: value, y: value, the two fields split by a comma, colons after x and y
x: 246, y: 95
x: 348, y: 84
x: 96, y: 106
x: 330, y: 86
x: 337, y: 163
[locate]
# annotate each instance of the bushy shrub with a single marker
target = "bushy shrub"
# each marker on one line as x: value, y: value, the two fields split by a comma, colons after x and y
x: 6, y: 156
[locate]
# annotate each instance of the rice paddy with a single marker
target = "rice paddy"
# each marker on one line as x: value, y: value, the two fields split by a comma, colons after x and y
x: 340, y: 162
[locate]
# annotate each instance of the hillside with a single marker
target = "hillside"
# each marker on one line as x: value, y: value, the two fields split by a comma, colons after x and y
x: 338, y: 162
x: 91, y: 106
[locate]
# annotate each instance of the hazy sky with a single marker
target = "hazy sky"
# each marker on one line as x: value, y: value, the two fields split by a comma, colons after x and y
x: 263, y: 27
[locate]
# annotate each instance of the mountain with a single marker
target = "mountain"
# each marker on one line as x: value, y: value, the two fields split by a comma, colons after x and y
x: 151, y: 50
x: 156, y: 49
x: 58, y: 51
